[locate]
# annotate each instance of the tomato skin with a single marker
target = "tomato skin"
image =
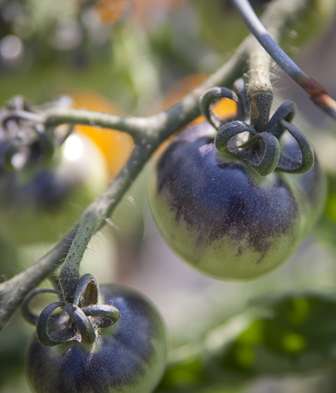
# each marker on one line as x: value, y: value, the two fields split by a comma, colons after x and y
x: 221, y: 216
x: 127, y: 358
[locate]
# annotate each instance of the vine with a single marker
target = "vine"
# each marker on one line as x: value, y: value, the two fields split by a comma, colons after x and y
x: 148, y: 133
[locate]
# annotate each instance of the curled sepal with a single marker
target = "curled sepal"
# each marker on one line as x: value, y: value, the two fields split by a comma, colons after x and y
x: 265, y: 158
x: 27, y: 313
x: 81, y: 323
x: 226, y: 138
x: 239, y: 88
x: 63, y: 322
x: 58, y: 333
x: 261, y: 150
x: 105, y: 314
x: 212, y: 96
x: 286, y: 111
x: 302, y: 158
x: 32, y: 143
x: 86, y: 291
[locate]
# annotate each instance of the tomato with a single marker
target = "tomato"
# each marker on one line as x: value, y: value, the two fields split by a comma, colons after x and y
x: 128, y: 357
x: 40, y: 207
x: 224, y: 218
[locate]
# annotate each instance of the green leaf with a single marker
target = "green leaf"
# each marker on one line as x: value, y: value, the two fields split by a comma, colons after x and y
x: 289, y: 334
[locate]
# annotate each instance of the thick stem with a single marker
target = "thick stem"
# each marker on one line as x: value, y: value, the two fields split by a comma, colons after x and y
x: 135, y: 126
x: 259, y: 87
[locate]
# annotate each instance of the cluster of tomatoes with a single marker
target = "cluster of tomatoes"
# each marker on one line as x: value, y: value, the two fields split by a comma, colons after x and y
x: 42, y: 198
x: 212, y: 206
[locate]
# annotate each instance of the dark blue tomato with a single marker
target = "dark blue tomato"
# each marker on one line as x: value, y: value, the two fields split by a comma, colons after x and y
x: 129, y: 357
x: 224, y: 218
x: 40, y: 205
x: 44, y: 190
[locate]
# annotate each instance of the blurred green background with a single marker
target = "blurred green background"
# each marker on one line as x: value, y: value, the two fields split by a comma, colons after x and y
x: 274, y: 334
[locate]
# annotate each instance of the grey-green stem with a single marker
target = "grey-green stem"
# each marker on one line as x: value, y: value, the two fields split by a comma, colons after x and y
x: 259, y: 87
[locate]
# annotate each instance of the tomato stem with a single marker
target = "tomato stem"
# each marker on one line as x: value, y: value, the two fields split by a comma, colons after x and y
x: 259, y: 87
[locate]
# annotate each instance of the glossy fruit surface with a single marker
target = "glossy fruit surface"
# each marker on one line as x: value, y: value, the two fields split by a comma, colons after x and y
x: 128, y: 357
x: 221, y: 216
x: 41, y: 206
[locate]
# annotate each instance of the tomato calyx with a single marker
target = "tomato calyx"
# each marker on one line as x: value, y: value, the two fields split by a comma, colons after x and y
x: 237, y: 137
x: 64, y: 322
x: 25, y: 142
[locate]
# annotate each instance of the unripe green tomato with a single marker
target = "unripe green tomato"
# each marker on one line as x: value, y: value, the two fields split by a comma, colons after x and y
x: 221, y: 216
x: 40, y: 207
x: 128, y: 357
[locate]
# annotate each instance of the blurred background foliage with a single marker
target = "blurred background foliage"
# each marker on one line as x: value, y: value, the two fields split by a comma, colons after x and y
x: 274, y: 334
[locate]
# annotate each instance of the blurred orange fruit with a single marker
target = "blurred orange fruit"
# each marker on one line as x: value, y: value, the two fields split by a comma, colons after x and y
x: 143, y: 11
x: 110, y: 11
x: 115, y: 146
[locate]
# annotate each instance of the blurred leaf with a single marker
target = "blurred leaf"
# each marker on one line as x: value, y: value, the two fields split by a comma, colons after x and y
x: 312, y: 23
x: 290, y: 334
x: 327, y: 224
x: 44, y: 14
